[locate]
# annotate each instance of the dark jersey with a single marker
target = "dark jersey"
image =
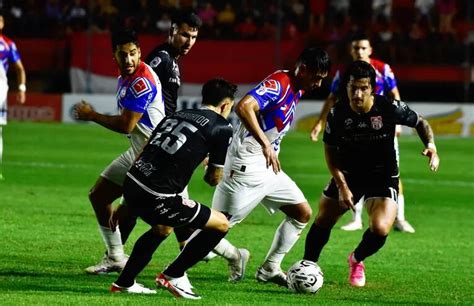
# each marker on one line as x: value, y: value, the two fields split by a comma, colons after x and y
x: 365, y: 142
x: 177, y: 146
x: 165, y: 65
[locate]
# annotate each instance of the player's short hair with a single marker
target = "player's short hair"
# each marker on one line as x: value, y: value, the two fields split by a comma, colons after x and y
x: 315, y: 58
x: 216, y: 90
x: 124, y: 36
x: 360, y: 70
x: 186, y: 17
x: 359, y: 36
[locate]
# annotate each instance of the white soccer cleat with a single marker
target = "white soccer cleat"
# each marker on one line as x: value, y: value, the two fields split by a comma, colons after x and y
x: 352, y: 226
x: 107, y: 265
x: 179, y: 286
x: 237, y: 267
x: 276, y: 276
x: 403, y: 226
x: 135, y: 288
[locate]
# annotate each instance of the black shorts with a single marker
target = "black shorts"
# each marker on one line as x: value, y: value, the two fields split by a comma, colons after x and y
x: 375, y: 187
x: 173, y: 211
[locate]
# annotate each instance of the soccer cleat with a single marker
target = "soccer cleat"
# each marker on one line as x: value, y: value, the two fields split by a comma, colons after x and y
x: 210, y: 256
x: 237, y: 267
x: 356, y: 272
x: 107, y: 265
x: 179, y: 286
x: 403, y: 226
x: 135, y: 288
x: 276, y: 276
x: 352, y: 226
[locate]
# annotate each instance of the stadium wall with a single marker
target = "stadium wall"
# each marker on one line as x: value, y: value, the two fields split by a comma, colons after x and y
x: 455, y: 119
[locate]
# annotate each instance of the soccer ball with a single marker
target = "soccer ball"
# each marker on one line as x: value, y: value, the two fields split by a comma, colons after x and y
x: 305, y: 277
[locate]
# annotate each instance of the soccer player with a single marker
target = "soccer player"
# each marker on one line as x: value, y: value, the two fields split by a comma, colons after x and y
x: 386, y: 84
x: 253, y: 173
x: 152, y: 186
x: 8, y: 55
x: 141, y: 107
x: 361, y: 157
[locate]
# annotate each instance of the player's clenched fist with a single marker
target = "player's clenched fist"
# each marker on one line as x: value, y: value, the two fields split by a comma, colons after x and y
x: 83, y: 111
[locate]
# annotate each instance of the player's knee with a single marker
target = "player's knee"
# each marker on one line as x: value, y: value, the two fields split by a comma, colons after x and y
x: 305, y: 214
x: 222, y: 224
x: 380, y: 227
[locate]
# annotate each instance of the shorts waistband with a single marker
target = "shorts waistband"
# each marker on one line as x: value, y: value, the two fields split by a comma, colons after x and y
x: 147, y: 189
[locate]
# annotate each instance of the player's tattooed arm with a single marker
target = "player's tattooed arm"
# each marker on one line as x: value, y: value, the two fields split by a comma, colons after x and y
x: 425, y: 132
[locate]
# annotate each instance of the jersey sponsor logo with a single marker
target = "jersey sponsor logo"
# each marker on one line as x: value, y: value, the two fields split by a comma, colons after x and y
x: 376, y: 122
x: 189, y: 203
x: 140, y: 87
x: 348, y: 122
x: 270, y: 86
x: 123, y: 92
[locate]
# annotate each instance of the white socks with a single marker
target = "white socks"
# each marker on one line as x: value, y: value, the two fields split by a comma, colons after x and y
x: 357, y: 214
x: 285, y: 237
x: 401, y: 208
x: 225, y: 249
x: 113, y: 242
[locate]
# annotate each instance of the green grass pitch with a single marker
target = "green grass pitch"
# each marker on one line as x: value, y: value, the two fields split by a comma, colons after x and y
x: 48, y: 233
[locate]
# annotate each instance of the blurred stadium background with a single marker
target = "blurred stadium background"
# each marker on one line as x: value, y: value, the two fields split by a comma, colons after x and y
x: 65, y: 47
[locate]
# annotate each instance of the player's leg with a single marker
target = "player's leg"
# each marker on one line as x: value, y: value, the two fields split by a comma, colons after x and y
x: 106, y: 190
x: 329, y: 213
x: 382, y: 212
x: 285, y: 195
x: 202, y: 241
x: 401, y: 224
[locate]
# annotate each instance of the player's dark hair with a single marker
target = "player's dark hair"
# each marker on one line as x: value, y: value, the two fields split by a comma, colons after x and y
x: 216, y: 90
x: 315, y: 58
x: 360, y: 70
x: 124, y: 36
x: 359, y: 36
x: 188, y: 17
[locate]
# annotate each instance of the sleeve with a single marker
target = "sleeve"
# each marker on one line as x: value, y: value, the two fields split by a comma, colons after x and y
x: 267, y: 93
x: 220, y: 143
x: 389, y: 78
x: 329, y: 136
x: 336, y: 82
x: 404, y: 115
x: 140, y: 93
x: 14, y: 54
x: 162, y: 65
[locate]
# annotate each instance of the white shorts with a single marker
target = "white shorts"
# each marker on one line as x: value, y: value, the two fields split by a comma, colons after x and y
x: 239, y: 193
x: 118, y: 168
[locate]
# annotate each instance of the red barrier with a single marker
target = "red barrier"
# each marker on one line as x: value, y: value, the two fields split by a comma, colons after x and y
x: 38, y: 107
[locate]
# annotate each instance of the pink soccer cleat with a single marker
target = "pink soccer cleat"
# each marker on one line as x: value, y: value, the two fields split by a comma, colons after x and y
x: 356, y: 272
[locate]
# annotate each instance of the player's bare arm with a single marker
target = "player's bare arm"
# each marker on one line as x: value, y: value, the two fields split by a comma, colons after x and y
x: 21, y: 80
x: 318, y: 125
x: 346, y: 199
x: 213, y: 175
x: 123, y: 123
x: 247, y: 110
x: 425, y: 132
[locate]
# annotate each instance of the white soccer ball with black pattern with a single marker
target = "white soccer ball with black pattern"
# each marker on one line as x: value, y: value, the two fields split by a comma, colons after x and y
x: 305, y: 277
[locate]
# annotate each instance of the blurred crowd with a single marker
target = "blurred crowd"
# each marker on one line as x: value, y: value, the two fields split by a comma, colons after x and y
x: 411, y: 31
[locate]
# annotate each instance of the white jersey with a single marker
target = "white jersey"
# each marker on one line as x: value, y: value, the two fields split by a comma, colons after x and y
x: 277, y: 100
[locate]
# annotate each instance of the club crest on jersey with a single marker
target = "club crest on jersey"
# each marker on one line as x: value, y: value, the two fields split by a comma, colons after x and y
x: 376, y: 122
x: 140, y: 87
x: 270, y: 86
x: 123, y: 92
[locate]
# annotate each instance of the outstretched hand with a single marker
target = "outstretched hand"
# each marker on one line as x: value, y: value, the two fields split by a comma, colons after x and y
x: 433, y: 156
